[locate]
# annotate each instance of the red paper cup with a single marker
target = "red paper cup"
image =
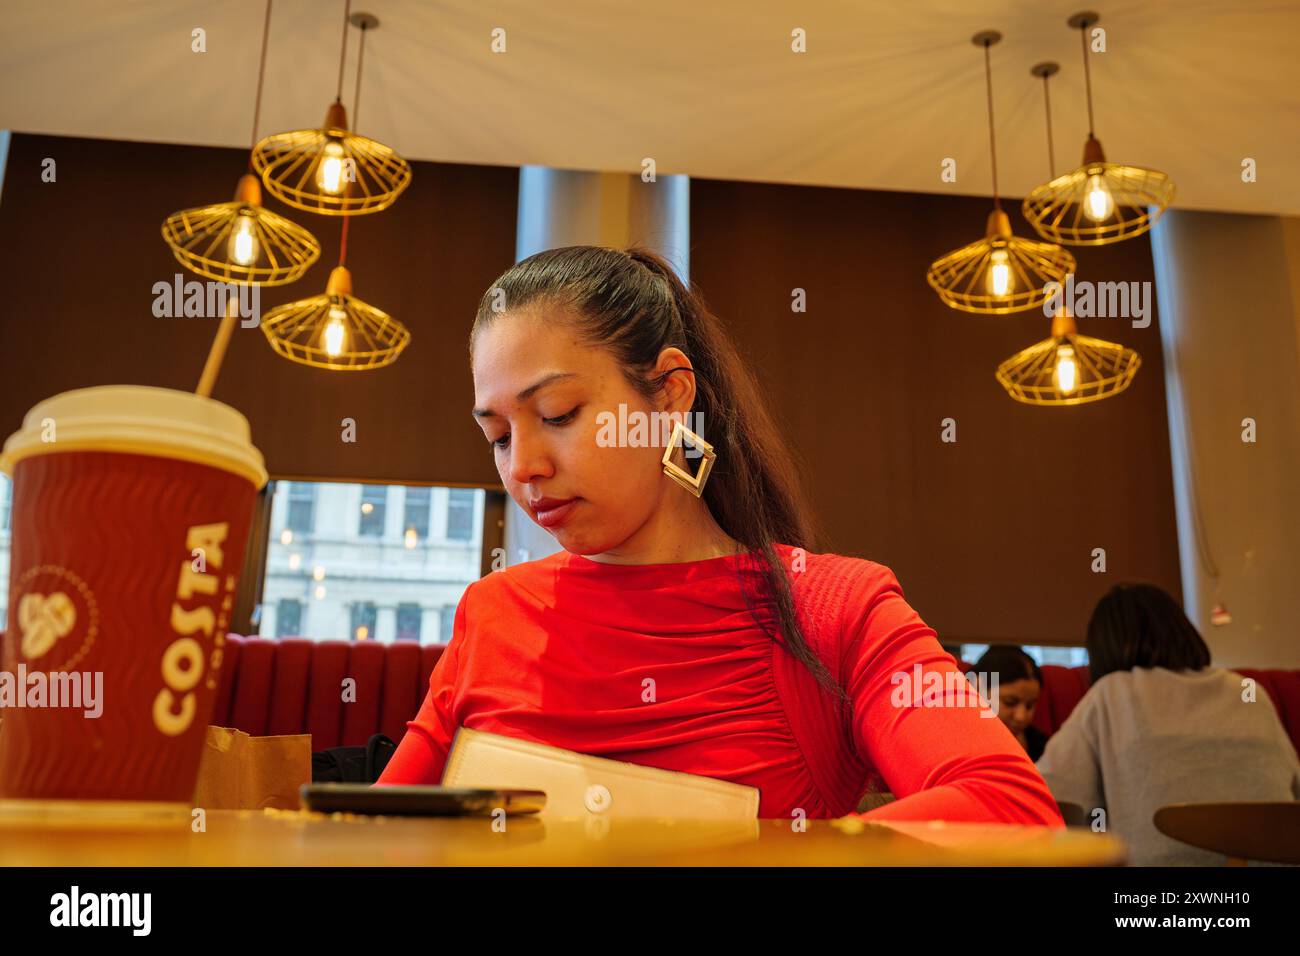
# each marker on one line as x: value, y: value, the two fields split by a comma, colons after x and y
x: 131, y: 511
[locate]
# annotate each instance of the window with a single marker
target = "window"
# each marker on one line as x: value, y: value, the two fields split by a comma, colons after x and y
x: 446, y: 617
x: 288, y: 617
x: 348, y: 573
x: 417, y: 513
x: 1064, y: 656
x: 408, y: 622
x: 302, y: 507
x: 364, y: 618
x: 374, y: 505
x: 6, y: 519
x: 460, y: 513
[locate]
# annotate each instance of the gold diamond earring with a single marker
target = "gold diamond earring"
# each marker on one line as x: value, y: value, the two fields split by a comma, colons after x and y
x: 692, y: 483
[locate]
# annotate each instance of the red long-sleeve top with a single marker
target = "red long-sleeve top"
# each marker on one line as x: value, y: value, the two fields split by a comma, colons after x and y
x: 666, y: 665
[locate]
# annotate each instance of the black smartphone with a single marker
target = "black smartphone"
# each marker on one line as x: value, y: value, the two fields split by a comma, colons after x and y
x: 418, y: 801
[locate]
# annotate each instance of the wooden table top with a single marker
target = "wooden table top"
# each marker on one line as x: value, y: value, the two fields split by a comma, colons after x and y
x: 302, y: 838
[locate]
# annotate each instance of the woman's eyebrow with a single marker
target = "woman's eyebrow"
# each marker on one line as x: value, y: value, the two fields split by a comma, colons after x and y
x: 528, y: 392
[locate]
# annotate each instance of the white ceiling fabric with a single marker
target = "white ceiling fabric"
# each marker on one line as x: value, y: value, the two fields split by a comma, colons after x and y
x: 884, y: 93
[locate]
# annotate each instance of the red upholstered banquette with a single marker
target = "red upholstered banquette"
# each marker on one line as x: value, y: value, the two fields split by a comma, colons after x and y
x: 296, y: 686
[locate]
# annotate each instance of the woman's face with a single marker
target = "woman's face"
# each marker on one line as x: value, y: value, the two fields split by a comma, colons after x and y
x: 1016, y: 703
x: 538, y: 392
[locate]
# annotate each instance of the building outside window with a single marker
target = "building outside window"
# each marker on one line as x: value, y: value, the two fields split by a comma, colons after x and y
x: 302, y: 507
x: 374, y: 507
x: 416, y: 518
x: 364, y: 618
x: 408, y: 622
x: 399, y: 586
x: 1064, y: 656
x: 460, y: 513
x: 288, y: 617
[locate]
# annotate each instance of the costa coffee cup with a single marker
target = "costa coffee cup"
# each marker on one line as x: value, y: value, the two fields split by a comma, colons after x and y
x: 131, y: 512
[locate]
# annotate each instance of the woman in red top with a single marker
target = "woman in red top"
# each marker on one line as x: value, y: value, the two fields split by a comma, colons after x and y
x: 689, y: 632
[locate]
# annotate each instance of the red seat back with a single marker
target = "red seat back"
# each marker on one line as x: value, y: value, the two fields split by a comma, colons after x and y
x: 340, y: 692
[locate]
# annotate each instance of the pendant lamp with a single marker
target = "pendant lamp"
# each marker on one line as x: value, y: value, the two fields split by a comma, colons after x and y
x: 1100, y: 202
x: 331, y: 170
x: 241, y: 241
x: 1067, y: 368
x: 337, y: 330
x: 1002, y: 272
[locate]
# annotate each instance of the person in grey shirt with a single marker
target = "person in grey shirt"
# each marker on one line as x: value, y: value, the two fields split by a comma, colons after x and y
x: 1160, y: 725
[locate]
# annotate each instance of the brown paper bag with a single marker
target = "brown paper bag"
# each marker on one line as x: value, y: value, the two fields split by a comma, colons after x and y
x: 239, y: 772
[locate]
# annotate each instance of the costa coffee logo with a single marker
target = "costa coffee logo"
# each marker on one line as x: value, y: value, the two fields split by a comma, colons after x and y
x: 183, y: 661
x: 57, y: 617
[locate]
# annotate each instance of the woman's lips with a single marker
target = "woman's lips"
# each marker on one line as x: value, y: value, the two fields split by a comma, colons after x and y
x: 552, y: 513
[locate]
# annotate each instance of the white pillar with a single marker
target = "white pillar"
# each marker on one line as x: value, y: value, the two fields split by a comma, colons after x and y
x: 438, y: 514
x: 1229, y: 296
x: 429, y: 626
x: 266, y: 626
x: 338, y: 510
x: 385, y: 624
x: 279, y: 509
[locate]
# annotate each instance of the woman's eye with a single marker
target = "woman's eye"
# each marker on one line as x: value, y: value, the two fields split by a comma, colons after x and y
x: 502, y: 442
x: 563, y: 419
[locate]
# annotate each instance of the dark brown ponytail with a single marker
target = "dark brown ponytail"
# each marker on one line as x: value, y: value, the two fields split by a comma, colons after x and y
x: 634, y: 304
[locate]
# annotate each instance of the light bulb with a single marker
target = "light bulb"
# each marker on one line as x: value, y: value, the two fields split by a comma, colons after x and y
x: 335, y: 332
x: 1099, y: 203
x: 1000, y: 281
x: 243, y: 248
x: 412, y: 539
x: 1066, y: 375
x: 329, y: 174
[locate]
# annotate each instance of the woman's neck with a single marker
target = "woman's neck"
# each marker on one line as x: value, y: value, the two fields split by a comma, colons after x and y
x: 677, y: 532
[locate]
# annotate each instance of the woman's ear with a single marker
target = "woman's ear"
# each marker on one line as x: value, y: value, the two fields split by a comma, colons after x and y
x: 678, y: 392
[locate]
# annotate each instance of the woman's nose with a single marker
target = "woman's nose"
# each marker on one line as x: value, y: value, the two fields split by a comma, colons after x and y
x: 529, y: 459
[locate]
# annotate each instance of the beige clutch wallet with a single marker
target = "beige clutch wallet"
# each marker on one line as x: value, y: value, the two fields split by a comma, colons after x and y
x: 579, y: 785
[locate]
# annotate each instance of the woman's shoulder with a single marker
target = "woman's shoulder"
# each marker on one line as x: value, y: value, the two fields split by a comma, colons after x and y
x: 841, y: 598
x: 530, y: 575
x: 830, y: 576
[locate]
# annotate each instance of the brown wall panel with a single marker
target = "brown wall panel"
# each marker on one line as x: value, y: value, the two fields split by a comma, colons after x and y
x: 991, y: 536
x: 80, y: 257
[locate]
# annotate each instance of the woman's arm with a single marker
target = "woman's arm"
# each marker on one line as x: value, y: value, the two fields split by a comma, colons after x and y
x: 422, y: 752
x: 919, y: 721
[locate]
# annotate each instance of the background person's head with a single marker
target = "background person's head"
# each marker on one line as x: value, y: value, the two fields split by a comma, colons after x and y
x: 1020, y: 683
x: 1139, y: 625
x: 612, y: 326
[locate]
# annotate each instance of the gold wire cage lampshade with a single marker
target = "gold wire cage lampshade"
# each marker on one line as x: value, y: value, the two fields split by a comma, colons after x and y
x: 1000, y: 273
x: 330, y: 170
x: 241, y: 241
x: 1068, y: 368
x: 1099, y: 202
x: 335, y: 330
